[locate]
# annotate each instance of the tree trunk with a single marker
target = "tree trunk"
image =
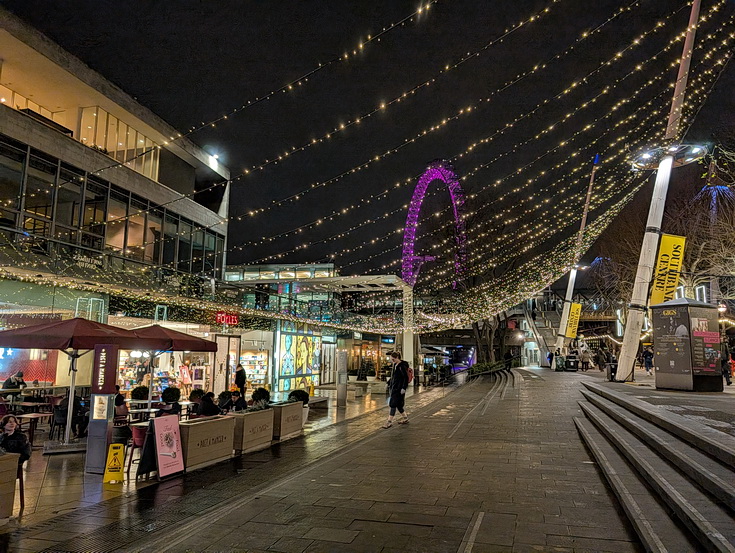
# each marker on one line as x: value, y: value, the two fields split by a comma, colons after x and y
x: 481, y: 357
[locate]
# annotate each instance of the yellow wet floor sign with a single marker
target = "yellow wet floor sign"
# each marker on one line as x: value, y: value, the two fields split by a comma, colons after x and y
x: 115, y: 463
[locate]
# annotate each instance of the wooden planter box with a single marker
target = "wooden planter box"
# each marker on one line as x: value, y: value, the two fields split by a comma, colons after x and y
x: 253, y: 431
x: 287, y: 419
x: 8, y: 476
x: 207, y: 440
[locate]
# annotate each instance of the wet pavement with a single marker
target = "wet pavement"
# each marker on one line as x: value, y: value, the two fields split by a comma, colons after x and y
x: 481, y: 468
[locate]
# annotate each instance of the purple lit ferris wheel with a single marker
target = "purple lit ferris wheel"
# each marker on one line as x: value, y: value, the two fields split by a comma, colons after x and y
x: 411, y: 262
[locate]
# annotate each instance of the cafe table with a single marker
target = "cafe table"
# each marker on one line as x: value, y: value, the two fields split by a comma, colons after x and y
x: 31, y: 404
x: 142, y: 412
x: 32, y: 419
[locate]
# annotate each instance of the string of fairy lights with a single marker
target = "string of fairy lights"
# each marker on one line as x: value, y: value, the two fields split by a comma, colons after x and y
x: 530, y: 181
x: 383, y: 106
x: 486, y: 298
x: 347, y: 210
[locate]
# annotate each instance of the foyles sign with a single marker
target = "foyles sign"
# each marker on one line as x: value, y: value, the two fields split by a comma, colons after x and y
x: 104, y: 371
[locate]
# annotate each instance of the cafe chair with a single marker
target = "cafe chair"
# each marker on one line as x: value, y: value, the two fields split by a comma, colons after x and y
x: 58, y: 423
x: 137, y: 442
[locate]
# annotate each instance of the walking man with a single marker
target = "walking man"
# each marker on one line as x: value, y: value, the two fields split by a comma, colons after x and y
x: 397, y: 389
x: 725, y: 362
x: 648, y: 360
x: 240, y: 379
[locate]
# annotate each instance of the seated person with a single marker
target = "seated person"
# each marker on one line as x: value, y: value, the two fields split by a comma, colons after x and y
x: 15, y: 382
x: 12, y: 439
x: 207, y: 407
x: 121, y: 407
x: 169, y: 409
x: 235, y: 403
x: 80, y: 418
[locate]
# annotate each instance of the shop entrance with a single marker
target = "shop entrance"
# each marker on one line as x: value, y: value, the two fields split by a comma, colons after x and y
x: 225, y: 362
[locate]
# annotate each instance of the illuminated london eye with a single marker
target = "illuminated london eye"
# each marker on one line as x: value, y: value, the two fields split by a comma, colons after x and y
x: 411, y: 262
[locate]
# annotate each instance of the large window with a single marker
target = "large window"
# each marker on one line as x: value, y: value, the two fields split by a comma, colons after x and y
x: 95, y: 213
x: 105, y: 132
x: 12, y: 159
x: 184, y: 247
x: 68, y: 203
x: 117, y: 212
x: 153, y: 236
x: 39, y: 194
x: 136, y: 230
x: 197, y: 254
x: 170, y: 238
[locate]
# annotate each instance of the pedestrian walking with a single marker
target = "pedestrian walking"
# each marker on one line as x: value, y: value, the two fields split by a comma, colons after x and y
x: 397, y: 390
x: 585, y: 357
x: 508, y: 359
x: 648, y: 360
x: 725, y: 363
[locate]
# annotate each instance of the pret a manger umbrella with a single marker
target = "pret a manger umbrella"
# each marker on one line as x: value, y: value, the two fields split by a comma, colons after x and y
x: 72, y: 336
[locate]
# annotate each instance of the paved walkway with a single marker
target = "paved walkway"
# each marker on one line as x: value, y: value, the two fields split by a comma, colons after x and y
x: 478, y: 469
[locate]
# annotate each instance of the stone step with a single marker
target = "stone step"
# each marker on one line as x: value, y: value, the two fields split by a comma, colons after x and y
x: 713, y: 442
x: 651, y: 520
x: 707, y: 472
x: 707, y: 519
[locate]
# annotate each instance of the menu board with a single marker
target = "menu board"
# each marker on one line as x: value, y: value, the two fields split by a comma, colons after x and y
x: 671, y: 329
x: 168, y: 445
x: 705, y: 341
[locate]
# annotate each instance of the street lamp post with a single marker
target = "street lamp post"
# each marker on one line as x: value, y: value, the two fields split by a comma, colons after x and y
x: 671, y: 154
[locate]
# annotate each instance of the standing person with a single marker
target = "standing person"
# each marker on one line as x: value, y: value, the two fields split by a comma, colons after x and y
x: 508, y: 359
x: 240, y: 379
x: 726, y: 362
x: 585, y: 357
x: 397, y: 389
x: 648, y: 360
x: 13, y: 440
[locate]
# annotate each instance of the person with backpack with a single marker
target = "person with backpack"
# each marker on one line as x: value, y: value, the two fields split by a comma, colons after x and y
x: 399, y: 381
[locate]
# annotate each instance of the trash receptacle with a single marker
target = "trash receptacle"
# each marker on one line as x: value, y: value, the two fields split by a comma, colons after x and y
x: 571, y: 364
x: 611, y: 370
x: 559, y: 363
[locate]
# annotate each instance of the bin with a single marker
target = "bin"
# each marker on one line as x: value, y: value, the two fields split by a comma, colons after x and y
x: 611, y: 369
x: 571, y: 364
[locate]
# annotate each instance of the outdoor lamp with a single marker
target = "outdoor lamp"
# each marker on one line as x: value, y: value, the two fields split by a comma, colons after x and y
x: 722, y: 308
x: 683, y: 154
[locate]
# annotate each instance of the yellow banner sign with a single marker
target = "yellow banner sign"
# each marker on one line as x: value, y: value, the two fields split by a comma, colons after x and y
x: 575, y: 310
x: 115, y: 464
x: 668, y: 268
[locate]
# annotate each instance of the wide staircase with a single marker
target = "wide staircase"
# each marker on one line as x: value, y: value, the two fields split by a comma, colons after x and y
x: 674, y: 477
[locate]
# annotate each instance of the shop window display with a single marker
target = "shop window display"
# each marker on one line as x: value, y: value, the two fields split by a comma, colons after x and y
x: 255, y: 364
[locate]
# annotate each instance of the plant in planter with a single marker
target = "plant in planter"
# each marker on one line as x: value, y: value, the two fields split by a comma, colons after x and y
x: 352, y: 375
x: 139, y: 392
x: 261, y: 395
x: 303, y: 397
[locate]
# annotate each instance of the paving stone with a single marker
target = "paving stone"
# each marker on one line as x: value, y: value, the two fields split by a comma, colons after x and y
x: 290, y: 545
x: 331, y: 534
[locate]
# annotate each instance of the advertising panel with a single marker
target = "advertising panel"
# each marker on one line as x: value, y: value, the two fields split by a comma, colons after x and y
x: 668, y: 268
x: 575, y: 311
x: 299, y: 357
x: 705, y: 341
x: 168, y: 445
x: 104, y: 369
x: 672, y: 354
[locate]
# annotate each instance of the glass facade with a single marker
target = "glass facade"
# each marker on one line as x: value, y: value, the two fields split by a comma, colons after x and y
x: 45, y: 200
x: 103, y: 131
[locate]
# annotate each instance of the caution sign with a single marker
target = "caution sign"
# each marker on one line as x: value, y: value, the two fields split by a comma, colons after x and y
x: 115, y: 464
x: 668, y: 268
x: 575, y: 310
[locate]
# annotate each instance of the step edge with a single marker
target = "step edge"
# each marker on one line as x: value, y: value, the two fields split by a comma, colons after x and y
x: 705, y: 478
x: 635, y: 513
x: 692, y: 518
x: 704, y: 438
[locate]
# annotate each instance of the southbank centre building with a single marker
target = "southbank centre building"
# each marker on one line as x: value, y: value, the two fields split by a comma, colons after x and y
x: 101, y: 203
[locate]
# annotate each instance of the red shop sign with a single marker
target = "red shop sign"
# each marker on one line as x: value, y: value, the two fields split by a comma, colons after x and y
x: 224, y: 318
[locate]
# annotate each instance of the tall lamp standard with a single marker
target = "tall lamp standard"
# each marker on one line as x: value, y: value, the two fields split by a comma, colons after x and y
x: 666, y: 157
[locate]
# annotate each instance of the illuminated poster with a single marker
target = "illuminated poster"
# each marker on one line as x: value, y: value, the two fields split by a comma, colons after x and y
x: 299, y: 363
x: 705, y: 341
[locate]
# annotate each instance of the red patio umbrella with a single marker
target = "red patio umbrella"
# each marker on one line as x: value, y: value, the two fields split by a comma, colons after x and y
x: 73, y: 335
x: 178, y: 341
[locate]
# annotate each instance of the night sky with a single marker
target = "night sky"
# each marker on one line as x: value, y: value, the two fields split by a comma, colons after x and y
x: 191, y: 62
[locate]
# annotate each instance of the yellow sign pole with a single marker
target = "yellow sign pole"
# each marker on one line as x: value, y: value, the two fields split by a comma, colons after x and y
x: 575, y: 311
x: 115, y: 464
x: 668, y: 268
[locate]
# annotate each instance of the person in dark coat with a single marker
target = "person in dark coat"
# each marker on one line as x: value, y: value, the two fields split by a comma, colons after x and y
x: 13, y: 440
x: 235, y: 403
x: 207, y: 407
x: 397, y: 389
x: 15, y: 382
x: 725, y: 362
x: 169, y: 409
x: 240, y: 379
x: 508, y: 359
